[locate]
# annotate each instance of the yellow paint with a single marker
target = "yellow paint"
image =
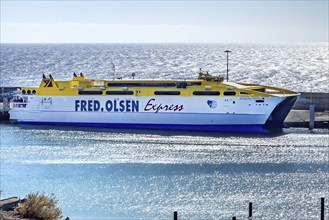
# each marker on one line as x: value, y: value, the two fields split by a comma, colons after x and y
x: 52, y: 87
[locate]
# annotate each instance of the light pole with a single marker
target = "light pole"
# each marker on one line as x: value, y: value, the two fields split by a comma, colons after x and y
x: 227, y: 51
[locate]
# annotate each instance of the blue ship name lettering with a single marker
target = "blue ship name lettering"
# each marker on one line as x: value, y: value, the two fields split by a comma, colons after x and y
x: 110, y: 106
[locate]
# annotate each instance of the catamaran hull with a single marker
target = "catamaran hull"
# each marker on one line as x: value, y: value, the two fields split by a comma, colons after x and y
x: 236, y: 114
x: 182, y: 127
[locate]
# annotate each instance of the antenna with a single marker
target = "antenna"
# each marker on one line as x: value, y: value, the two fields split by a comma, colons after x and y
x: 113, y: 68
x: 227, y: 51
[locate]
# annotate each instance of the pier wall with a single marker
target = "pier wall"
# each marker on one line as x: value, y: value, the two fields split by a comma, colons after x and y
x: 318, y: 99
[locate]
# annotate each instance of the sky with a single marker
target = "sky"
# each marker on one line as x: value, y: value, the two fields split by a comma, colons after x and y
x: 164, y: 21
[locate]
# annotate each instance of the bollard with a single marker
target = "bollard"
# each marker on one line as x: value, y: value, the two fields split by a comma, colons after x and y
x: 175, y: 215
x: 311, y: 123
x: 250, y: 210
x: 322, y: 208
x: 6, y: 105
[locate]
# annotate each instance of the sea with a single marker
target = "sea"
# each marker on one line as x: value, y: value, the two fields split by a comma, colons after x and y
x: 299, y: 67
x: 98, y: 173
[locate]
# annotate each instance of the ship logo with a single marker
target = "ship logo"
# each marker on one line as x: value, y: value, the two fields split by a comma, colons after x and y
x: 46, y: 102
x: 48, y: 83
x: 212, y: 104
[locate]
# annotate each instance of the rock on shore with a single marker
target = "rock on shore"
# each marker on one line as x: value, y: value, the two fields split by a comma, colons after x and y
x: 10, y: 215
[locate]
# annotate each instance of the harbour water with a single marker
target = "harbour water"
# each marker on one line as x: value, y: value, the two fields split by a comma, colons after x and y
x: 142, y: 174
x: 298, y: 67
x: 123, y: 174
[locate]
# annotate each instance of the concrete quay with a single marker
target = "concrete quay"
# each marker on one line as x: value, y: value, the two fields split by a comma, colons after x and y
x: 301, y: 118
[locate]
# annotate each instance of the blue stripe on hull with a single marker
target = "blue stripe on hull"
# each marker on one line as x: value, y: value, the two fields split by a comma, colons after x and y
x: 221, y: 128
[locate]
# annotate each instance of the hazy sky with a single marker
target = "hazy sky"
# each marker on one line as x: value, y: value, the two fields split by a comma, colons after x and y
x: 163, y: 21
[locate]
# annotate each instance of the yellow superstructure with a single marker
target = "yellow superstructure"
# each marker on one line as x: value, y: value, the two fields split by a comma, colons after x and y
x: 206, y: 84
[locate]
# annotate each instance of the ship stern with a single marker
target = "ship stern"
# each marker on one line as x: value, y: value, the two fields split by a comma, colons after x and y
x: 276, y: 120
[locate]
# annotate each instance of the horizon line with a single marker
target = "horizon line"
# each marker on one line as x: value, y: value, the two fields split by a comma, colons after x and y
x: 300, y: 42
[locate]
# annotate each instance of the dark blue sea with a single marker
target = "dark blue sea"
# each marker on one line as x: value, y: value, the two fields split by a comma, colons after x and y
x: 143, y: 174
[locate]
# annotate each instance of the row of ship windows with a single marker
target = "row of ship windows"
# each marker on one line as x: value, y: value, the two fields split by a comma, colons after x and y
x: 208, y: 93
x: 155, y: 84
x: 212, y: 93
x: 29, y: 92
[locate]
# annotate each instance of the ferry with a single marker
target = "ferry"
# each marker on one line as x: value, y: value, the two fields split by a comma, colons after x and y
x: 208, y: 103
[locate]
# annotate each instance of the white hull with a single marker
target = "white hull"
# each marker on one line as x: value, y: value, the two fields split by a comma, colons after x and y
x: 146, y: 110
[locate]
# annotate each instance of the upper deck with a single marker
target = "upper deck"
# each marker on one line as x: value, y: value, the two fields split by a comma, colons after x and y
x: 205, y: 85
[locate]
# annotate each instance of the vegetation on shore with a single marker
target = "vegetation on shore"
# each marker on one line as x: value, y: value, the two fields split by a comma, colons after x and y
x: 39, y: 206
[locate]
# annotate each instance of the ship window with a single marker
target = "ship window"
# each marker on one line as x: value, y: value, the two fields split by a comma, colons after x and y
x: 142, y: 84
x: 260, y: 90
x: 119, y: 92
x: 259, y: 100
x: 244, y: 93
x: 182, y: 85
x: 28, y: 92
x: 23, y: 91
x: 167, y: 93
x: 229, y: 93
x: 90, y: 92
x: 194, y: 83
x: 33, y: 92
x: 206, y: 93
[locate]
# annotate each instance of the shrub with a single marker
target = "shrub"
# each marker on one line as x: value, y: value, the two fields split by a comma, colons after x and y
x: 39, y: 206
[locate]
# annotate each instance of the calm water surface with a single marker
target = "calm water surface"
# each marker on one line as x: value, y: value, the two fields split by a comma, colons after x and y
x: 106, y: 174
